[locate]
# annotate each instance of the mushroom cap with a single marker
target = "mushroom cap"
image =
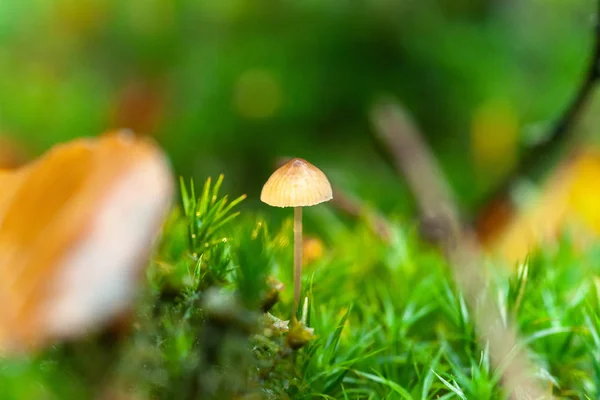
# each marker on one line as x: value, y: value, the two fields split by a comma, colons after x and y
x: 297, y: 183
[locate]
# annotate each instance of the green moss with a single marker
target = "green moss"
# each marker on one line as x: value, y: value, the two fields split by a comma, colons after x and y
x: 387, y: 319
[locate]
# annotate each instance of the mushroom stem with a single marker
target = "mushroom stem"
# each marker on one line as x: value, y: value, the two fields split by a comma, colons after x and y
x: 297, y: 256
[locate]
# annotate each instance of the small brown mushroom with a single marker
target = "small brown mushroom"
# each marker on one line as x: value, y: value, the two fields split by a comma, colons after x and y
x: 297, y: 184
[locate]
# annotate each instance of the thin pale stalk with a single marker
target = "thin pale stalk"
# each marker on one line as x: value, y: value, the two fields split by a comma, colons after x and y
x: 297, y: 256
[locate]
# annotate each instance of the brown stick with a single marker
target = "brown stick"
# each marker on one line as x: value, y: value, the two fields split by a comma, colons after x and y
x: 395, y: 129
x: 417, y: 165
x: 355, y: 208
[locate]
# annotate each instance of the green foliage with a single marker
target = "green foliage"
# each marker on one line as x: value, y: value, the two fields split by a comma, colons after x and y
x: 186, y: 72
x: 387, y: 319
x: 254, y: 261
x: 194, y: 253
x: 206, y: 214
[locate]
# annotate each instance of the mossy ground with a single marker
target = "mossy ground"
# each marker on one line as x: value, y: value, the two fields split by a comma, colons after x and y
x: 388, y: 319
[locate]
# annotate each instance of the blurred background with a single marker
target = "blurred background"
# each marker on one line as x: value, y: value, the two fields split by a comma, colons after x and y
x: 230, y: 85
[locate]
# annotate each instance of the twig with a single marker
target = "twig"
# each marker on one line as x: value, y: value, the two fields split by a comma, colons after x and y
x: 356, y: 209
x: 414, y: 161
x: 538, y: 158
x: 395, y: 130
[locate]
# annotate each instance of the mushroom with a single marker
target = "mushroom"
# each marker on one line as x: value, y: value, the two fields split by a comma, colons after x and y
x: 297, y: 184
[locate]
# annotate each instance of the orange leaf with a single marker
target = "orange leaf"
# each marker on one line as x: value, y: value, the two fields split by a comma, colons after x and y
x: 569, y: 198
x: 76, y: 226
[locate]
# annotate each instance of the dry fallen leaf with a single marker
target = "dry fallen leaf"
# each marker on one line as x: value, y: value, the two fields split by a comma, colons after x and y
x: 11, y: 154
x: 140, y: 105
x: 568, y: 198
x: 312, y: 250
x: 76, y: 227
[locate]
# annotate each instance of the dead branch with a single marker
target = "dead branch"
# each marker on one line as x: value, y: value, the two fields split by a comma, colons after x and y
x: 413, y: 160
x: 538, y: 158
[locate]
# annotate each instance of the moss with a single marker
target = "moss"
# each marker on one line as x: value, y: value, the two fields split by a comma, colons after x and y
x: 387, y: 319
